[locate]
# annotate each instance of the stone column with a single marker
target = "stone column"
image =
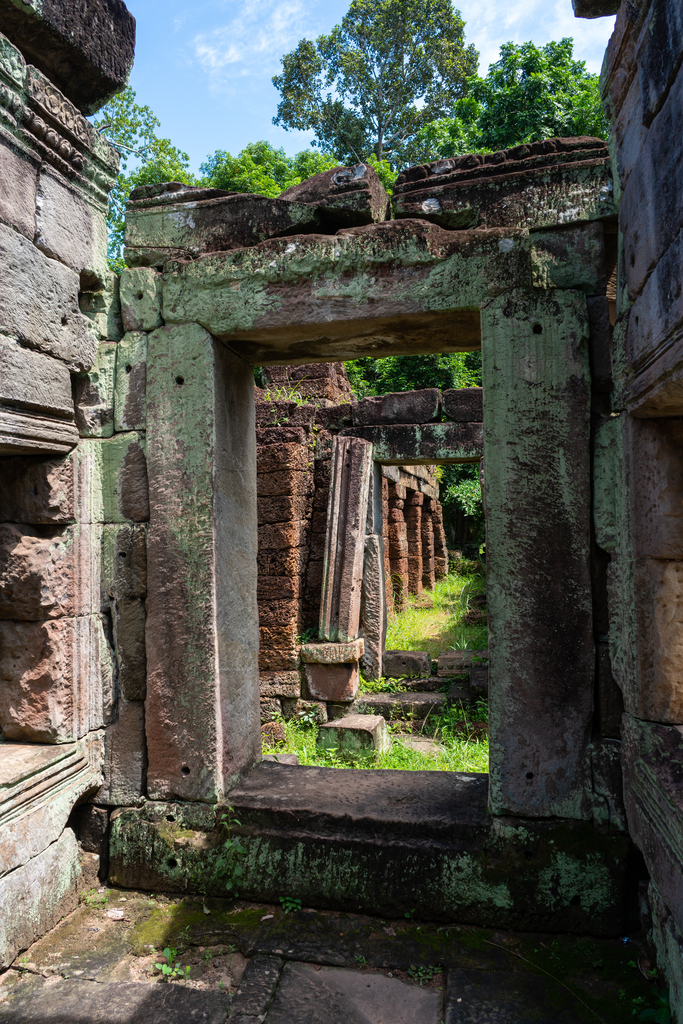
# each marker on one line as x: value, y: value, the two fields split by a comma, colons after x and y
x: 345, y: 541
x: 388, y: 587
x: 440, y: 546
x: 536, y: 443
x: 202, y: 707
x: 398, y: 545
x: 373, y: 614
x: 428, y: 569
x: 413, y: 514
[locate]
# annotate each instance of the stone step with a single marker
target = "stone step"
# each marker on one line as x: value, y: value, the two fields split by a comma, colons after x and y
x: 401, y: 705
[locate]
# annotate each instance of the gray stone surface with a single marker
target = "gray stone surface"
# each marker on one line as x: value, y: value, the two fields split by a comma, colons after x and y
x: 401, y: 705
x: 37, y: 490
x: 333, y: 995
x: 124, y: 756
x: 69, y: 229
x: 398, y: 407
x: 464, y: 405
x: 94, y: 394
x: 355, y: 736
x: 408, y: 444
x: 103, y: 308
x: 407, y: 663
x: 18, y: 172
x: 36, y: 1000
x: 373, y: 610
x: 36, y: 895
x: 32, y: 381
x: 141, y: 299
x: 482, y: 997
x: 130, y: 393
x: 128, y: 622
x: 54, y: 325
x: 257, y: 987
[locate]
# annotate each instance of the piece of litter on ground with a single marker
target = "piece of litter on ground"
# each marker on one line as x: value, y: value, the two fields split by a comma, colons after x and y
x: 122, y: 899
x: 115, y: 915
x: 268, y: 917
x: 206, y: 910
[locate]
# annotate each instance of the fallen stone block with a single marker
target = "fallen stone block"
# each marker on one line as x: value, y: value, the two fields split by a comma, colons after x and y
x: 130, y: 389
x: 406, y: 663
x: 94, y: 394
x: 333, y: 653
x: 271, y: 709
x: 312, y: 710
x: 401, y: 705
x: 399, y: 407
x: 479, y: 679
x: 273, y: 733
x: 464, y: 405
x: 452, y: 663
x: 347, y: 195
x: 355, y: 736
x: 259, y: 981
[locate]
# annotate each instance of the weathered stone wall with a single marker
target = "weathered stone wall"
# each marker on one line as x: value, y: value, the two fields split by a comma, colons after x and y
x: 73, y: 492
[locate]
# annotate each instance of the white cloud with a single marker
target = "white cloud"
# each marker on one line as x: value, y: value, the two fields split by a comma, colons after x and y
x: 252, y: 41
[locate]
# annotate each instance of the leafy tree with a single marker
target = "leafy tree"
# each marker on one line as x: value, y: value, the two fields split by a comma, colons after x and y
x: 389, y: 68
x: 530, y: 93
x: 131, y: 129
x: 263, y: 169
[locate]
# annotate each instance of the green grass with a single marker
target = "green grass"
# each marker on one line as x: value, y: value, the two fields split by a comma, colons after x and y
x: 440, y: 628
x: 458, y: 754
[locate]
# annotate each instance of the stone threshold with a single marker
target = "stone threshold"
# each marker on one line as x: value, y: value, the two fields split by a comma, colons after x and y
x: 385, y: 842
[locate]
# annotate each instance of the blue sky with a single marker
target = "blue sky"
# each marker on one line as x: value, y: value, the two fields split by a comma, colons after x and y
x: 205, y: 67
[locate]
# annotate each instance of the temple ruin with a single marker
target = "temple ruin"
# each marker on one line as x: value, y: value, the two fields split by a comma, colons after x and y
x: 169, y: 533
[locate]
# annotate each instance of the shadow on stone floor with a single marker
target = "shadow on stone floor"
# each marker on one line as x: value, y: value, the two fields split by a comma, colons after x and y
x: 253, y: 964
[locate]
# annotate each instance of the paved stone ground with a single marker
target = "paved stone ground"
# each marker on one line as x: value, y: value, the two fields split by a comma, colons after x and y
x: 254, y: 964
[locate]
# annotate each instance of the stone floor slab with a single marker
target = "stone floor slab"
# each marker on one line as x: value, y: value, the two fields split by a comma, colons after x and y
x: 332, y: 995
x: 34, y: 1000
x: 484, y: 997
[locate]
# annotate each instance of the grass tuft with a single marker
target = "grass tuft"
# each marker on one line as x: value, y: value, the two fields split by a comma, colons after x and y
x: 442, y: 627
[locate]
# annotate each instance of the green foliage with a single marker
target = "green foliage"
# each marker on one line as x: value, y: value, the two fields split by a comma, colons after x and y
x: 262, y: 169
x: 290, y: 904
x: 530, y: 93
x: 423, y: 973
x: 661, y: 1014
x: 370, y: 376
x: 228, y: 865
x: 170, y: 970
x: 390, y: 67
x: 131, y: 129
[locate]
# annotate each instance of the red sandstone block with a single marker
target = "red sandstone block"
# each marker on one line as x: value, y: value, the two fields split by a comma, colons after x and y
x: 284, y: 482
x: 280, y: 684
x: 283, y: 508
x: 464, y: 405
x: 286, y: 562
x: 278, y: 536
x: 399, y: 407
x: 332, y: 682
x: 286, y: 612
x: 414, y: 499
x: 317, y: 546
x: 37, y: 490
x: 279, y: 588
x: 266, y: 436
x: 274, y: 458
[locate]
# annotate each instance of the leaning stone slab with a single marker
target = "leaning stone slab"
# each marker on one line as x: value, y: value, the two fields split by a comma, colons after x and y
x: 397, y: 664
x: 415, y: 444
x: 542, y: 184
x: 54, y: 325
x: 355, y: 736
x: 398, y: 407
x: 348, y: 195
x: 35, y: 896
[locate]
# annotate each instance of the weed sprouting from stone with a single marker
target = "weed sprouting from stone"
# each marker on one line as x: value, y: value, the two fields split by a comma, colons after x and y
x: 228, y: 865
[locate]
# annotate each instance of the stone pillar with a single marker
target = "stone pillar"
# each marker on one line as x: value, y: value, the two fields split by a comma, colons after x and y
x: 413, y: 514
x: 398, y: 545
x: 345, y: 540
x: 373, y: 612
x: 428, y: 568
x: 542, y: 657
x: 440, y: 546
x: 202, y: 707
x: 388, y: 587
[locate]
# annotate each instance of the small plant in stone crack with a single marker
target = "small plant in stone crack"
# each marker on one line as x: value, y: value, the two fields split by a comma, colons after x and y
x: 424, y: 974
x: 308, y: 717
x: 228, y: 864
x: 661, y: 1014
x: 171, y: 970
x: 290, y: 903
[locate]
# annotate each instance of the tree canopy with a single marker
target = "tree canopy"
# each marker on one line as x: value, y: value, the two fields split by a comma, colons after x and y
x: 530, y: 93
x: 389, y: 68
